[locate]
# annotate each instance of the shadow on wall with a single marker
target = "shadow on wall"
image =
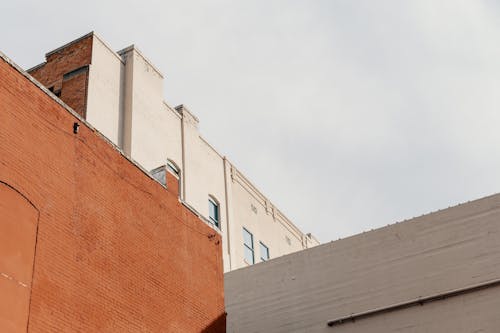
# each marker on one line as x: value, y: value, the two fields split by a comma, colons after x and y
x: 217, y: 326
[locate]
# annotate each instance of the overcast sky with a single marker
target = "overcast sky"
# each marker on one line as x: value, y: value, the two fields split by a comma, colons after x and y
x: 349, y: 115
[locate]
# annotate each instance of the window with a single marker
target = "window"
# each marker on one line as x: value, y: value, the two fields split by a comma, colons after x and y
x: 248, y: 246
x: 174, y: 170
x: 213, y: 212
x: 264, y: 252
x: 160, y: 175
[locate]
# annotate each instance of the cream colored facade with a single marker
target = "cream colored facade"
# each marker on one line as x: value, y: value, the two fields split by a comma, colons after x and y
x: 125, y: 103
x: 436, y: 273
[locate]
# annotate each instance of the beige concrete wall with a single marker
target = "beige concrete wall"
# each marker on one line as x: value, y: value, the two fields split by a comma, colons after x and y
x: 204, y: 168
x: 146, y: 110
x: 104, y: 90
x: 203, y: 174
x: 125, y: 102
x: 446, y: 250
x: 173, y: 136
x: 255, y: 213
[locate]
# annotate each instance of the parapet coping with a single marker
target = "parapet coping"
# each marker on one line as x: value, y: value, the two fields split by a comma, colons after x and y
x: 102, y: 136
x: 103, y: 42
x: 279, y: 215
x: 181, y: 108
x: 248, y: 185
x: 69, y: 44
x: 36, y: 66
x: 92, y: 33
x: 174, y: 111
x: 134, y: 48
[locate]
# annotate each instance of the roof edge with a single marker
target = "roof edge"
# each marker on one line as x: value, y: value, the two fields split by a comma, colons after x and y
x: 134, y: 48
x: 36, y: 66
x: 68, y: 44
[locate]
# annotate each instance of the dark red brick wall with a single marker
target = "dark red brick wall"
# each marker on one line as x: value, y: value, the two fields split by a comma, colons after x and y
x: 66, y: 60
x: 74, y: 91
x: 115, y: 251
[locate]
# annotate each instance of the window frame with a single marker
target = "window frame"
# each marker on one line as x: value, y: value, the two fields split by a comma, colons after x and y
x: 173, y: 168
x: 246, y: 246
x: 215, y: 203
x: 175, y: 171
x: 261, y: 245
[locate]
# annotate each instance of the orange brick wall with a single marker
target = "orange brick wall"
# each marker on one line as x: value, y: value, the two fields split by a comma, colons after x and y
x: 63, y: 61
x: 115, y: 251
x: 74, y: 91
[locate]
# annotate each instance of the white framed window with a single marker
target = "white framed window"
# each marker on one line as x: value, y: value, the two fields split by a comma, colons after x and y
x: 248, y: 247
x: 264, y: 252
x: 176, y: 171
x: 214, y: 211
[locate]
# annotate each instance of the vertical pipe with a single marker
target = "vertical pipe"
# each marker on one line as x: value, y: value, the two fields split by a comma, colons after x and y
x: 226, y: 184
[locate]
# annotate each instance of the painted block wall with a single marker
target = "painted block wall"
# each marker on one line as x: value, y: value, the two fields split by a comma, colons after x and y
x: 105, y: 91
x: 453, y: 249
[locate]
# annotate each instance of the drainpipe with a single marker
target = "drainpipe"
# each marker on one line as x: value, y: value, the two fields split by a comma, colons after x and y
x: 226, y: 185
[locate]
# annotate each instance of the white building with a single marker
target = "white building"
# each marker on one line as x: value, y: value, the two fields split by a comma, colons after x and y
x: 121, y: 94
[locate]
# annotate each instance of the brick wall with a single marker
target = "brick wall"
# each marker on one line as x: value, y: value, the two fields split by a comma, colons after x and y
x: 114, y: 251
x: 58, y: 72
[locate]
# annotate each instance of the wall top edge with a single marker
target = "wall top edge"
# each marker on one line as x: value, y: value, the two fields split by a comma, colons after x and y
x: 106, y: 45
x: 133, y: 48
x: 76, y: 115
x: 173, y: 110
x: 211, y: 147
x: 282, y: 218
x: 69, y: 44
x: 181, y: 108
x: 200, y: 216
x: 36, y: 66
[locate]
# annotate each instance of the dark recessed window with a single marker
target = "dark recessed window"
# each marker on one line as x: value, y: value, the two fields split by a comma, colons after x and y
x: 174, y: 170
x: 213, y: 212
x: 264, y: 252
x: 248, y: 246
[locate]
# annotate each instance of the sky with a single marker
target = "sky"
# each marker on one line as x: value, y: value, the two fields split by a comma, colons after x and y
x: 349, y: 115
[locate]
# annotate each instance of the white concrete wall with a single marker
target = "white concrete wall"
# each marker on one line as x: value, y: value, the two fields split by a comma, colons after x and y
x: 203, y: 169
x: 126, y: 104
x: 148, y: 116
x: 173, y: 136
x: 104, y: 90
x: 255, y: 213
x: 443, y: 251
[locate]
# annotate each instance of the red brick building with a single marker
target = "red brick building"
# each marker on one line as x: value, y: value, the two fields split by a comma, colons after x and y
x: 66, y: 73
x: 89, y: 242
x: 121, y: 93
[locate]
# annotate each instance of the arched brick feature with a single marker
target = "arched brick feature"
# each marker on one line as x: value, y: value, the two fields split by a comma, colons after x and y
x: 18, y: 227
